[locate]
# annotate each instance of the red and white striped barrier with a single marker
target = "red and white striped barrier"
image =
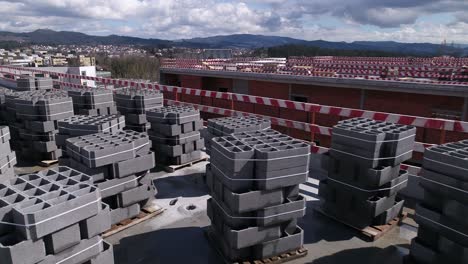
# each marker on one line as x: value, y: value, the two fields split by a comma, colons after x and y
x: 448, y: 125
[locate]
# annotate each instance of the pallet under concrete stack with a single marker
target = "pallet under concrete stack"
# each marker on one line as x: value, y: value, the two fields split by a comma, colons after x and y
x: 92, y: 102
x: 364, y: 173
x: 33, y: 120
x: 34, y: 83
x: 254, y: 180
x: 7, y: 157
x: 118, y: 164
x: 175, y: 133
x: 53, y: 216
x: 442, y: 215
x: 133, y: 104
x: 224, y: 126
x: 81, y: 125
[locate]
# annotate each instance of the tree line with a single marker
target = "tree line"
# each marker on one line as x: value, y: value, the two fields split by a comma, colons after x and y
x: 131, y: 67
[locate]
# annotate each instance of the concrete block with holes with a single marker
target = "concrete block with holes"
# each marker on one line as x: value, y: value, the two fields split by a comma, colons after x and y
x: 224, y: 126
x: 254, y: 182
x: 134, y: 103
x: 118, y: 164
x: 91, y: 101
x: 441, y: 215
x: 175, y: 133
x: 32, y: 118
x: 363, y: 171
x: 56, y: 216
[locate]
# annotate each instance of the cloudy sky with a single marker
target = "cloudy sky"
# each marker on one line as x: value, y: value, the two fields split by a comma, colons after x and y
x: 336, y: 20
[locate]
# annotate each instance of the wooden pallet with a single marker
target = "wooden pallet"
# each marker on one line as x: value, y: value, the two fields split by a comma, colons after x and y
x: 173, y: 168
x: 283, y: 258
x: 48, y: 163
x: 145, y: 214
x: 371, y: 233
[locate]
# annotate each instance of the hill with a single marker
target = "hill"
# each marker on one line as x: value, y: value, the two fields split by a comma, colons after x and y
x: 249, y: 41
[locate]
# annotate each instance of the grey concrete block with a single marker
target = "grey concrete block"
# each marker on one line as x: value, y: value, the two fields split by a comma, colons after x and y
x: 14, y: 249
x: 442, y: 224
x: 105, y: 257
x: 84, y: 251
x: 140, y: 163
x: 62, y: 239
x: 97, y: 224
x: 448, y: 159
x: 443, y: 186
x: 290, y: 241
x: 173, y: 115
x: 373, y: 139
x: 228, y: 125
x: 175, y: 130
x: 177, y: 150
x: 39, y: 219
x: 173, y: 140
x: 135, y: 195
x: 356, y: 175
x: 244, y: 202
x: 120, y: 214
x: 115, y: 186
x: 102, y: 149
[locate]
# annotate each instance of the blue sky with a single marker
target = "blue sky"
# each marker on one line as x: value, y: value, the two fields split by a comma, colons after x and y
x: 335, y: 20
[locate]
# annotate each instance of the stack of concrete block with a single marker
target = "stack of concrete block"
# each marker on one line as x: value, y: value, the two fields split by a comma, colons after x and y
x: 224, y: 126
x: 119, y: 165
x: 53, y: 216
x: 92, y: 101
x: 442, y: 215
x: 28, y: 83
x: 364, y: 173
x: 33, y: 120
x: 175, y: 133
x: 3, y: 110
x: 7, y: 157
x: 81, y: 125
x: 133, y: 103
x: 254, y: 180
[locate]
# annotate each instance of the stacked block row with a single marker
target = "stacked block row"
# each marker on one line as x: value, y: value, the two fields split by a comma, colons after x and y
x: 133, y: 104
x: 254, y: 181
x: 3, y: 112
x: 118, y: 164
x: 7, y: 156
x: 224, y: 126
x: 364, y: 173
x: 92, y: 101
x: 32, y: 118
x: 28, y: 83
x: 175, y: 133
x: 442, y: 214
x: 81, y: 125
x: 53, y: 216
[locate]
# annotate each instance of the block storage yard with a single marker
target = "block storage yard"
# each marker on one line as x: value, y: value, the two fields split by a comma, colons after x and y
x: 272, y: 191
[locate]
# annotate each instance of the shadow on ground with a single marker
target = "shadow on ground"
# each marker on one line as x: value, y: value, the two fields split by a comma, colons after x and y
x: 176, y: 245
x: 368, y: 255
x: 190, y: 185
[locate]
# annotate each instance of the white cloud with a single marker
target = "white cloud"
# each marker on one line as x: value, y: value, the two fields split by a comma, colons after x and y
x: 392, y: 19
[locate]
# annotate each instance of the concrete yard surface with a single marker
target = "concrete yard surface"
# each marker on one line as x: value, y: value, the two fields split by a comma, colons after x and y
x: 177, y: 236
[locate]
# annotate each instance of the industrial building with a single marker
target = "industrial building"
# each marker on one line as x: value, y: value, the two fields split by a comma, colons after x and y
x: 299, y: 133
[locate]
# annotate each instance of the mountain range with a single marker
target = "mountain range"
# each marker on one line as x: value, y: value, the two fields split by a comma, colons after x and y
x: 50, y: 37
